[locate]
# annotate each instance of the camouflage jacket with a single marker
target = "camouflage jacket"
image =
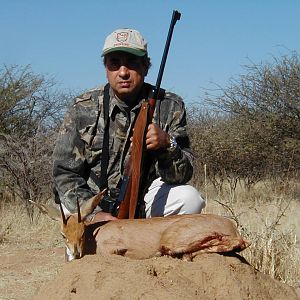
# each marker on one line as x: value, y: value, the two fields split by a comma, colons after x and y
x: 78, y: 149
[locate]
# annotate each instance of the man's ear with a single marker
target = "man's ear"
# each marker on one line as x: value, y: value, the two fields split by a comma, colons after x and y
x: 146, y: 69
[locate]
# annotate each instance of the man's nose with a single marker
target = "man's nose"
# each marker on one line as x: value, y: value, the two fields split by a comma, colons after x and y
x: 123, y: 71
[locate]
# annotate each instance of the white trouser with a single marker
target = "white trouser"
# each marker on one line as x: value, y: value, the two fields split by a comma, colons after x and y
x: 163, y: 200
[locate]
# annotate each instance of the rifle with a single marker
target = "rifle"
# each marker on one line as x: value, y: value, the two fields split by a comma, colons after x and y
x: 131, y: 179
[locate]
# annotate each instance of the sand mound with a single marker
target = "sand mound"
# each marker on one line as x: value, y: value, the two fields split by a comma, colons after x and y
x: 209, y: 276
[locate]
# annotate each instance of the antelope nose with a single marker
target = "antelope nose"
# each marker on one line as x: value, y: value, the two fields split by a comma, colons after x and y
x: 68, y: 254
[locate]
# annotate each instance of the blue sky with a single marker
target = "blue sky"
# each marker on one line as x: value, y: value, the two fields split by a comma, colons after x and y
x: 212, y: 41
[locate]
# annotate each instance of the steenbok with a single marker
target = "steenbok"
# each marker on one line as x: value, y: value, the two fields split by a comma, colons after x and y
x: 182, y: 236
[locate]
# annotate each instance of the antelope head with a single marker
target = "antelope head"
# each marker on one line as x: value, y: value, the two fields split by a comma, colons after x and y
x: 73, y: 226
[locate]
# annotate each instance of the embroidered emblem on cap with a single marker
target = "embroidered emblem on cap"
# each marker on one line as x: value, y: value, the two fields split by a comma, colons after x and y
x: 122, y: 36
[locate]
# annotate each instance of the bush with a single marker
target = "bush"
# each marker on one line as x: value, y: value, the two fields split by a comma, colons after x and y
x: 31, y: 111
x: 251, y: 130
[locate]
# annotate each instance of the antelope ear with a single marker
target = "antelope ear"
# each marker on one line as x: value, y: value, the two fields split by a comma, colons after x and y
x: 89, y: 205
x: 51, y: 211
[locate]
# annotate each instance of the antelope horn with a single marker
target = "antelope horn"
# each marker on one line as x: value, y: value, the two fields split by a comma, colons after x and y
x: 62, y: 214
x: 78, y: 211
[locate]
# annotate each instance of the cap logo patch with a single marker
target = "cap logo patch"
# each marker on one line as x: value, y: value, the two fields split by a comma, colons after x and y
x: 122, y: 36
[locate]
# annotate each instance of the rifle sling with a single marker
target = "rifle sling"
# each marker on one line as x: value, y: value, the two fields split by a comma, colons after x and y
x: 105, y: 148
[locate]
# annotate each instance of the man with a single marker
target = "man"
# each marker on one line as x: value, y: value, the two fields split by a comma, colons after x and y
x: 80, y: 144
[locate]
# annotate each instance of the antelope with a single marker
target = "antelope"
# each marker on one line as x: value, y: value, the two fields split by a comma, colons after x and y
x: 181, y: 236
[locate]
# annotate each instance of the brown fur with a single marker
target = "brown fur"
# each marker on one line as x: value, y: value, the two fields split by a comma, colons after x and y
x: 175, y: 236
x: 183, y: 236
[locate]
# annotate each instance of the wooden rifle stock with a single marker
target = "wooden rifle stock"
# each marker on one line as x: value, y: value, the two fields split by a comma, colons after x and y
x: 128, y: 205
x: 132, y: 176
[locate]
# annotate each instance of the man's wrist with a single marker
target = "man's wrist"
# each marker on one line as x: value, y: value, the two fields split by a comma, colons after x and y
x: 171, y: 153
x: 172, y: 143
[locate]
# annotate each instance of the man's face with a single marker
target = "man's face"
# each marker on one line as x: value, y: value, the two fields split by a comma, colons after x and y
x: 125, y: 73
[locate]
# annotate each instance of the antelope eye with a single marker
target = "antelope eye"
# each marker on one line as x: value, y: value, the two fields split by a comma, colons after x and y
x: 63, y: 235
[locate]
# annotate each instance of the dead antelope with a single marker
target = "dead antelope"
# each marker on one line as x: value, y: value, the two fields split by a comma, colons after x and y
x: 183, y: 236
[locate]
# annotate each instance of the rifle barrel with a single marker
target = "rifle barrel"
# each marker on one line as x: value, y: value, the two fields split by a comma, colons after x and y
x: 175, y: 17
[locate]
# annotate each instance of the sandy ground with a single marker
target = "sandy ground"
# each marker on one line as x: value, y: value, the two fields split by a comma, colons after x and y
x: 35, y: 270
x: 23, y: 272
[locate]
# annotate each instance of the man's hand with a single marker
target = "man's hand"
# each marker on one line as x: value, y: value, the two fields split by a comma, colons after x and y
x: 156, y: 138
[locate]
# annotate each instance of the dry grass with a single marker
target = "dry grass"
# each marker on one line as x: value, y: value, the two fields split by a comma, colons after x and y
x: 269, y: 217
x: 17, y: 229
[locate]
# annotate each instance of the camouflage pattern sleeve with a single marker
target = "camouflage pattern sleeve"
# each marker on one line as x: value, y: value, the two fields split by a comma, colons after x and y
x: 174, y: 166
x: 70, y: 168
